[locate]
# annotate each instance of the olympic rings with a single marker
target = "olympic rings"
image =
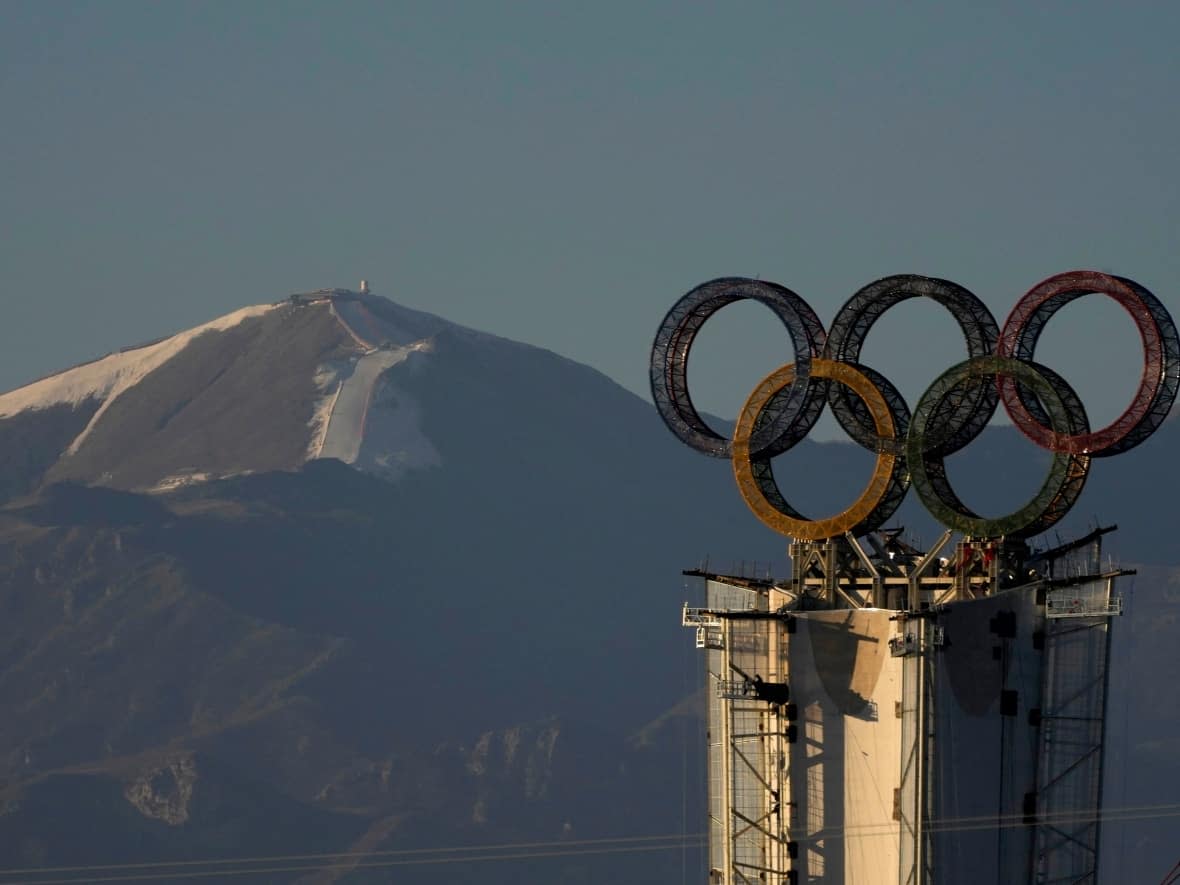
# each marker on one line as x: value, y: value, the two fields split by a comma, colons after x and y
x: 825, y: 368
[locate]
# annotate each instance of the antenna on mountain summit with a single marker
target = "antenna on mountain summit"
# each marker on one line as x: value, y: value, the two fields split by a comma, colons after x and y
x: 364, y: 287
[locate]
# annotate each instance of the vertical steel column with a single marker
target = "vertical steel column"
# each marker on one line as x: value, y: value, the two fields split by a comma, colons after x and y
x: 913, y: 794
x: 727, y: 763
x: 829, y: 548
x: 921, y: 785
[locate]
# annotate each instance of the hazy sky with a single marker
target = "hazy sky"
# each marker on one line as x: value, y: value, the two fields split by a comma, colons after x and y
x: 560, y: 173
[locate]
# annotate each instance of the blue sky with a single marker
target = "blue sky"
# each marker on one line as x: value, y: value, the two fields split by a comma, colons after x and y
x: 560, y: 173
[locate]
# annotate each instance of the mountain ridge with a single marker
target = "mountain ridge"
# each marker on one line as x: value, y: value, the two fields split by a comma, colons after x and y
x: 265, y: 387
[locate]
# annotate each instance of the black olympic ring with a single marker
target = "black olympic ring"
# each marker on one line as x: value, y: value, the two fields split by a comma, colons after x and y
x: 794, y: 417
x: 825, y: 369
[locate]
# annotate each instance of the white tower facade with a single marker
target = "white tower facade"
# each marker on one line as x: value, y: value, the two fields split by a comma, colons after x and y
x: 957, y: 740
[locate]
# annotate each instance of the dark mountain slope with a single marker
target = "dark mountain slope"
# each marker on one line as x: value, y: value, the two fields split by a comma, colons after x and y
x: 29, y: 447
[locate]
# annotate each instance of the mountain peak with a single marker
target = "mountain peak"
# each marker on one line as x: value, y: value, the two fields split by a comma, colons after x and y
x: 266, y: 387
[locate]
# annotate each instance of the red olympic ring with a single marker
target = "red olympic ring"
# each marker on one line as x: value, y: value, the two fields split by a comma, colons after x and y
x: 1156, y: 389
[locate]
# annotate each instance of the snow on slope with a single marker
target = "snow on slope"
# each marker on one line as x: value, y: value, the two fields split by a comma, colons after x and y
x: 362, y: 405
x: 111, y: 375
x: 348, y: 407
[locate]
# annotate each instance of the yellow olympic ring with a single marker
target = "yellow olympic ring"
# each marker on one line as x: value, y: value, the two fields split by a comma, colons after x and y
x: 753, y: 473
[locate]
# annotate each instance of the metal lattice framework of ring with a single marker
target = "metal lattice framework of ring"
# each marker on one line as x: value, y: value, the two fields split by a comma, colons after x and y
x: 850, y: 328
x: 793, y: 416
x: 1161, y: 362
x: 887, y: 485
x: 1067, y: 472
x: 825, y: 369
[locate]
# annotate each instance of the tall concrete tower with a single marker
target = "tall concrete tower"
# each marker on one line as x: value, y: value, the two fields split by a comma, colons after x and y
x: 889, y: 715
x: 956, y: 738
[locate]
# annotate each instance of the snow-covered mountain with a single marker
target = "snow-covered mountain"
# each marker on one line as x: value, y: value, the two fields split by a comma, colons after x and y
x: 268, y: 387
